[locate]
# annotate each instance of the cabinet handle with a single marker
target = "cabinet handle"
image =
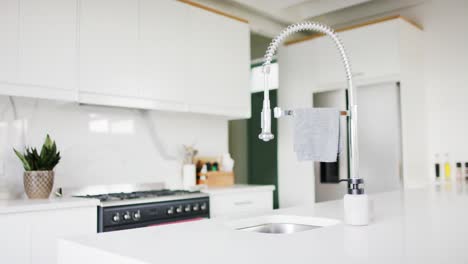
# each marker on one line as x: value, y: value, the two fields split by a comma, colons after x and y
x: 240, y: 203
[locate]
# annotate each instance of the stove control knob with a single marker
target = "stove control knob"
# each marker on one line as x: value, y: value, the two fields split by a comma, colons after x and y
x: 116, y: 218
x: 204, y: 206
x: 179, y: 209
x: 196, y: 207
x: 127, y: 216
x: 170, y: 210
x: 187, y: 208
x: 136, y: 215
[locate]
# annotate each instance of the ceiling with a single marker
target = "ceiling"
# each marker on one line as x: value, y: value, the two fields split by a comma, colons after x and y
x: 268, y: 17
x: 291, y: 11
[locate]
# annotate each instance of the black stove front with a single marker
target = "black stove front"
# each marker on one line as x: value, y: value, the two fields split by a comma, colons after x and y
x: 122, y: 217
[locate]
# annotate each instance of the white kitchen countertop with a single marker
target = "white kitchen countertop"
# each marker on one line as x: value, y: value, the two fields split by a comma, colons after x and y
x: 31, y: 205
x: 238, y: 188
x: 417, y: 226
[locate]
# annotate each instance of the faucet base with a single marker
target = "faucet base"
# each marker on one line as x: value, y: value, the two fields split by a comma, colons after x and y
x: 356, y: 209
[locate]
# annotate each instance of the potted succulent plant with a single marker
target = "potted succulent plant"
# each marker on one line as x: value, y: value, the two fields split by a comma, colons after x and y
x: 39, y: 169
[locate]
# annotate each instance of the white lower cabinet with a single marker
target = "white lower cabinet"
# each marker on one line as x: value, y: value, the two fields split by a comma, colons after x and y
x: 233, y: 202
x: 31, y: 237
x: 15, y: 239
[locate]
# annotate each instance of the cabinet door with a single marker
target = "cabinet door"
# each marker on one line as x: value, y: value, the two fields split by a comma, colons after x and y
x: 49, y: 226
x: 163, y: 50
x: 108, y: 47
x: 299, y: 71
x: 372, y: 51
x: 8, y: 40
x: 15, y: 238
x: 218, y: 65
x: 48, y: 53
x: 241, y: 203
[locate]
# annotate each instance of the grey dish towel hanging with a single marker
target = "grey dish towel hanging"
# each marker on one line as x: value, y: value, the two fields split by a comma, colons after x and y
x: 317, y: 134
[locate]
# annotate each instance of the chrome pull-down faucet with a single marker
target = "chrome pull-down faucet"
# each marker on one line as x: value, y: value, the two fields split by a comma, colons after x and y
x: 266, y: 134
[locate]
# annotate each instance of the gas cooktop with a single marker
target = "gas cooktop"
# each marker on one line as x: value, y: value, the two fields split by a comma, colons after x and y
x: 127, y: 194
x: 138, y: 195
x: 143, y: 205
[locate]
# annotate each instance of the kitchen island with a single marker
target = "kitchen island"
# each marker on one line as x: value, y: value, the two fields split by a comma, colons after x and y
x: 414, y: 226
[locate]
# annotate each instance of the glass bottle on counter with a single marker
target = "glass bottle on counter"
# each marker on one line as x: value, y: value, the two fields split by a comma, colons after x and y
x: 447, y: 168
x: 459, y: 171
x: 466, y: 171
x: 437, y: 167
x: 201, y: 179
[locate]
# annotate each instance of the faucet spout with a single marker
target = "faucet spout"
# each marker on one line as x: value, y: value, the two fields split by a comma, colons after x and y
x: 266, y: 134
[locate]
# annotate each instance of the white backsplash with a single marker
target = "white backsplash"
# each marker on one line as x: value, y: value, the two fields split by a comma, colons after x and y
x: 104, y: 145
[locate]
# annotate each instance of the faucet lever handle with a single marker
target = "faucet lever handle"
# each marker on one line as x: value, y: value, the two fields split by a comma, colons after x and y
x: 278, y: 112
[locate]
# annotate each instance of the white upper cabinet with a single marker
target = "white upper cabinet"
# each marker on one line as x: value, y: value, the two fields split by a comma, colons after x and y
x: 48, y: 43
x: 218, y: 64
x: 163, y: 51
x: 373, y: 50
x: 164, y: 55
x: 8, y: 41
x: 38, y: 48
x: 150, y: 54
x: 381, y: 57
x: 108, y: 35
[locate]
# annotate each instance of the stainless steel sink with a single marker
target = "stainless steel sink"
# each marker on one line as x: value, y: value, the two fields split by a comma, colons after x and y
x: 281, y: 224
x: 279, y: 228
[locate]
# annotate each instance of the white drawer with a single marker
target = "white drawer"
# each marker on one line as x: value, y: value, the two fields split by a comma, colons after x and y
x: 231, y: 204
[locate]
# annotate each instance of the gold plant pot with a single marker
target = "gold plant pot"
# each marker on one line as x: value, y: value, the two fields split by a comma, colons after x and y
x: 38, y: 184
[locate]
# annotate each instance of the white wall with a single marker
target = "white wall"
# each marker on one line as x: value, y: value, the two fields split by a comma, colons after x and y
x: 446, y: 79
x: 379, y: 130
x: 102, y: 145
x: 445, y: 39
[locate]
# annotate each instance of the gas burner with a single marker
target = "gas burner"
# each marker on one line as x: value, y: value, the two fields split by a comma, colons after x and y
x: 138, y: 195
x: 100, y: 197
